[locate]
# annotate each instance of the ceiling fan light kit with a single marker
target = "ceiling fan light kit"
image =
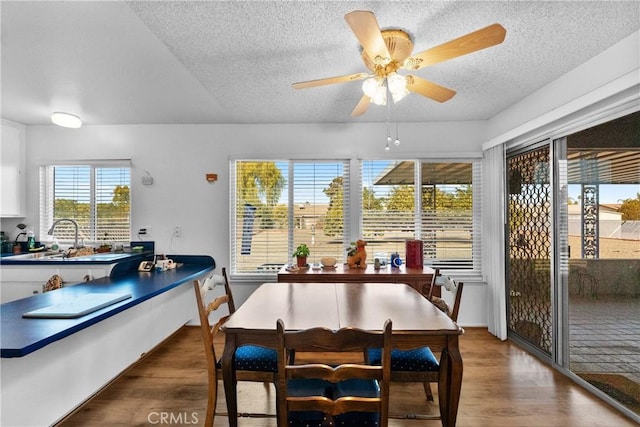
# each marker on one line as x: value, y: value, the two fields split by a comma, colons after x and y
x: 384, y: 52
x: 397, y: 83
x: 376, y: 90
x: 370, y: 86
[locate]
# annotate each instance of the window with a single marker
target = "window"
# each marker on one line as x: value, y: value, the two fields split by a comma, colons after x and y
x: 443, y: 211
x: 96, y: 196
x: 277, y: 205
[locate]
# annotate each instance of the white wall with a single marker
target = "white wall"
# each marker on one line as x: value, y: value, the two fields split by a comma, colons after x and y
x: 616, y: 71
x: 179, y: 156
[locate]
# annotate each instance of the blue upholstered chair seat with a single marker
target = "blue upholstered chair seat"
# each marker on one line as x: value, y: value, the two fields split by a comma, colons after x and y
x: 416, y: 360
x: 255, y: 358
x: 361, y: 388
x: 308, y: 387
x: 364, y: 388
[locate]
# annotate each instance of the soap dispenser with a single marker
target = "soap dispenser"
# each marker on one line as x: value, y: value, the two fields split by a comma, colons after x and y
x: 31, y: 240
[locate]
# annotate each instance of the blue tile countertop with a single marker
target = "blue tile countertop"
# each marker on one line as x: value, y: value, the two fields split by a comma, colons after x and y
x: 21, y: 336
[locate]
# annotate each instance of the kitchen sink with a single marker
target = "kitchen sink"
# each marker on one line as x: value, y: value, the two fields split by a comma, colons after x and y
x: 61, y: 256
x: 34, y: 256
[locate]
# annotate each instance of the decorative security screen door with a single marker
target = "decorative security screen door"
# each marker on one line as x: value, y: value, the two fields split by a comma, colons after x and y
x: 529, y: 247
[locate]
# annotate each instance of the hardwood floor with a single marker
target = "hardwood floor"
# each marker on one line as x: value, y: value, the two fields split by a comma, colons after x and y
x: 502, y: 386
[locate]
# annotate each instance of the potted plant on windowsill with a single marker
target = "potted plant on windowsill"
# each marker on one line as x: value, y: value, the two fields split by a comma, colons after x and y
x: 301, y: 253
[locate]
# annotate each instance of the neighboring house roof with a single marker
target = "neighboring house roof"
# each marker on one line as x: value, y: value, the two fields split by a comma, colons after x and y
x: 615, y: 207
x: 604, y: 209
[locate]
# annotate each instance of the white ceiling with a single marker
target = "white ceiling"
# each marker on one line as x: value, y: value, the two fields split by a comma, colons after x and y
x: 208, y: 62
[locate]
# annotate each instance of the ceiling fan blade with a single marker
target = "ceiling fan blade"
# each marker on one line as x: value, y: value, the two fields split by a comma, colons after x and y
x: 472, y: 42
x: 364, y: 25
x: 362, y: 106
x: 429, y: 89
x: 331, y: 80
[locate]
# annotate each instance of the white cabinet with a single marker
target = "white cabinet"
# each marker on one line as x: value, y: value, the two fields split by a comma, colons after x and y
x: 12, y: 291
x: 12, y: 170
x: 24, y: 281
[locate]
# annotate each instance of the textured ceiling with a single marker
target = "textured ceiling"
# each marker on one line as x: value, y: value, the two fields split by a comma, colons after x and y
x: 234, y: 61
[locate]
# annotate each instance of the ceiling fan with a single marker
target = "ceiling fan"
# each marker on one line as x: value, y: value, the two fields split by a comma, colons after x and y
x: 384, y: 52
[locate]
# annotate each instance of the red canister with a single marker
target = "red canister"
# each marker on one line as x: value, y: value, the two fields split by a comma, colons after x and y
x: 414, y: 253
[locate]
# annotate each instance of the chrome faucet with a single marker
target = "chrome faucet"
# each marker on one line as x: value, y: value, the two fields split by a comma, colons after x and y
x: 50, y: 232
x: 18, y: 236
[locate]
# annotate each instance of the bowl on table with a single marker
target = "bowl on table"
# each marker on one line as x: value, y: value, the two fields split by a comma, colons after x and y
x: 328, y: 262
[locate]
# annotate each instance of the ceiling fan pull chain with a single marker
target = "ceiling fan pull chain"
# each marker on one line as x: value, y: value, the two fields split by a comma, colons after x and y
x: 396, y: 142
x: 387, y: 147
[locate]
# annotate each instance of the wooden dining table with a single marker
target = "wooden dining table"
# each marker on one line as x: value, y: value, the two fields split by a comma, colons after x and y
x: 416, y: 322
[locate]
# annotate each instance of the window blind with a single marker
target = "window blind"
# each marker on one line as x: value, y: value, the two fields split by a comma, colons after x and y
x: 388, y: 206
x: 97, y: 198
x: 277, y: 205
x: 443, y: 211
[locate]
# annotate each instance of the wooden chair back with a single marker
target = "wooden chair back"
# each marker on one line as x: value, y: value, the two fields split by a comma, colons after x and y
x: 345, y: 339
x: 427, y: 288
x: 227, y: 291
x: 455, y: 288
x: 209, y: 331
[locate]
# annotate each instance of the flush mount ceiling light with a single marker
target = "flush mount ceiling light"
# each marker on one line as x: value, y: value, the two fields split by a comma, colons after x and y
x: 66, y: 120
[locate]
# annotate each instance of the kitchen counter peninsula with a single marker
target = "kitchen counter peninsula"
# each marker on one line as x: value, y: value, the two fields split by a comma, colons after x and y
x: 21, y: 336
x: 24, y: 275
x: 56, y: 364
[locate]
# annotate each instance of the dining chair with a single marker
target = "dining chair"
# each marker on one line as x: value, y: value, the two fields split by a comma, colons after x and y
x: 454, y: 288
x: 252, y: 363
x: 420, y: 364
x: 318, y: 394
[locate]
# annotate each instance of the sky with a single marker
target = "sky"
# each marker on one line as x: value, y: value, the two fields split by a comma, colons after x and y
x: 609, y: 193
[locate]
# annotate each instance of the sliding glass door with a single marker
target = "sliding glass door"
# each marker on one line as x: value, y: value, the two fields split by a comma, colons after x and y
x: 529, y: 254
x: 573, y: 256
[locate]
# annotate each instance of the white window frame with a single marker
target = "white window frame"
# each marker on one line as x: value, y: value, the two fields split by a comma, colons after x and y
x: 47, y: 200
x: 235, y: 231
x: 475, y: 270
x: 353, y: 225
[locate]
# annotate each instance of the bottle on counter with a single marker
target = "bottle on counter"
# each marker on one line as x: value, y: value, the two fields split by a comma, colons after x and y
x: 4, y: 242
x: 31, y: 240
